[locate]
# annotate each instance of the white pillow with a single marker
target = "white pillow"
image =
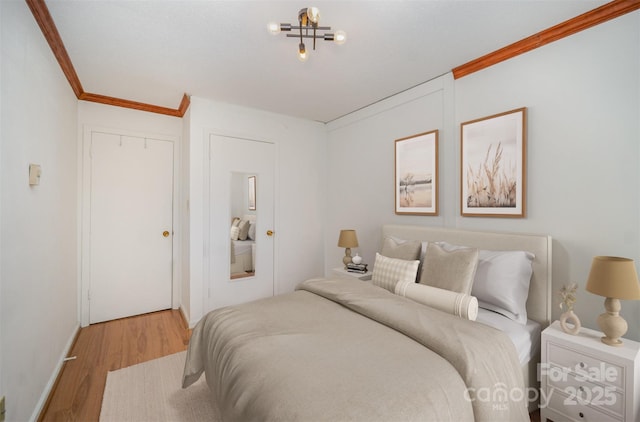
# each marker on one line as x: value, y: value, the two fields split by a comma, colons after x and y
x: 387, y: 272
x: 235, y: 232
x: 252, y: 231
x: 502, y: 281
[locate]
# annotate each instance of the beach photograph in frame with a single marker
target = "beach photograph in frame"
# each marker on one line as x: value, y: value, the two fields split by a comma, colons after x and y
x: 493, y: 165
x: 252, y: 193
x: 416, y: 174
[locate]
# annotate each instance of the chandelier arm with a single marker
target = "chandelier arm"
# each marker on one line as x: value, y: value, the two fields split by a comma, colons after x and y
x: 320, y: 36
x: 301, y: 23
x: 314, y: 37
x: 289, y: 27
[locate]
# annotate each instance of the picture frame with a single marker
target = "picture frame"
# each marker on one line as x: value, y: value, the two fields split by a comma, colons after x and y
x: 493, y: 165
x: 416, y: 174
x: 252, y: 192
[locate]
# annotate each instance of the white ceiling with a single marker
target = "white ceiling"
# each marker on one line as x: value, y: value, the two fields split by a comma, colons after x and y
x: 154, y: 51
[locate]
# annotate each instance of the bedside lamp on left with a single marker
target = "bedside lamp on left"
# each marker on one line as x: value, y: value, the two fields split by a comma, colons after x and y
x: 347, y: 240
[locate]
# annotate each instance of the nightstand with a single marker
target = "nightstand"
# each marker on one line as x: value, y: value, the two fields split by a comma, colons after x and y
x: 341, y: 272
x: 583, y: 379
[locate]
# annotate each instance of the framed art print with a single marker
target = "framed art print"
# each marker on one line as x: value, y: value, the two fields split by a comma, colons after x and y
x: 493, y: 164
x: 416, y: 174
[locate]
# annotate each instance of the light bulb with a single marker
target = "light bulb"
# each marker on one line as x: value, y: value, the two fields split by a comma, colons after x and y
x: 274, y: 28
x: 302, y: 53
x: 314, y: 14
x: 340, y: 37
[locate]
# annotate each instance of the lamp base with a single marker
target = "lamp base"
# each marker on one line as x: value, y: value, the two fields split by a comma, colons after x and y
x: 347, y: 257
x: 611, y: 323
x: 611, y: 342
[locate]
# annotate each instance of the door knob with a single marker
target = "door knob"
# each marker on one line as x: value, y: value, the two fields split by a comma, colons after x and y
x: 269, y: 233
x: 165, y: 233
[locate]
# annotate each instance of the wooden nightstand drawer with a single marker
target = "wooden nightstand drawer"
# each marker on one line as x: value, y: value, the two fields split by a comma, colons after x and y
x: 571, y: 408
x: 578, y: 389
x: 585, y: 366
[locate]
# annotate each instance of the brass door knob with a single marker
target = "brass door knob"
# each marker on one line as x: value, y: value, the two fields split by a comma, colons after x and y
x: 165, y: 233
x: 269, y: 233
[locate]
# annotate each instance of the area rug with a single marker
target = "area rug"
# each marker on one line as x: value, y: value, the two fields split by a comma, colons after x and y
x: 151, y: 391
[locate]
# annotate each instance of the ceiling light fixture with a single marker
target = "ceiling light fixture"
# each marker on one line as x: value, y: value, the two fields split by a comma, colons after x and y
x: 308, y: 19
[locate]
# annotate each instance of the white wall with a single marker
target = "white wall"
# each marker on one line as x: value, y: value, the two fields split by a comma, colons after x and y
x: 185, y: 263
x: 1, y: 178
x: 360, y: 157
x: 38, y: 280
x: 584, y: 180
x: 583, y: 148
x: 300, y: 205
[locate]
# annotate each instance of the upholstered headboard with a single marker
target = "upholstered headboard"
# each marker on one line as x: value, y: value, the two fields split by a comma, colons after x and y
x: 539, y: 300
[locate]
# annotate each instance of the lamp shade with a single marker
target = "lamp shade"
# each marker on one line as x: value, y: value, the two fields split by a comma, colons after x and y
x: 348, y: 239
x: 613, y: 277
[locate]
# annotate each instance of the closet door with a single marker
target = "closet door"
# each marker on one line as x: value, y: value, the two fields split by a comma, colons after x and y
x: 131, y: 233
x: 252, y: 162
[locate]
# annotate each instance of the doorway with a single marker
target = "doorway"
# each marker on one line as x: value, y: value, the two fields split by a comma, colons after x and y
x: 127, y: 226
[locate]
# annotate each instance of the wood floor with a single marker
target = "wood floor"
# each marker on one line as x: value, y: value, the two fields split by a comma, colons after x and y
x: 99, y: 348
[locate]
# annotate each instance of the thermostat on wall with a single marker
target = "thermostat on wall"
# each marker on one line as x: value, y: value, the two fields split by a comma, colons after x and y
x: 34, y: 174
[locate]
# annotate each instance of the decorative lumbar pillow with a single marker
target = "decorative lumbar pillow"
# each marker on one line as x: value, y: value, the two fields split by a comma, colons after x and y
x: 458, y: 304
x: 408, y: 250
x: 244, y: 229
x: 449, y: 270
x: 235, y: 232
x: 387, y: 272
x: 252, y: 231
x: 502, y: 281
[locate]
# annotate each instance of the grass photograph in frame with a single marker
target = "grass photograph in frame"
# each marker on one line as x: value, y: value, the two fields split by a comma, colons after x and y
x: 252, y: 193
x: 416, y: 174
x: 493, y: 165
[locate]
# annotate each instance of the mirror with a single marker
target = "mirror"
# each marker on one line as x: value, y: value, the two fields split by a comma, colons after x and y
x: 243, y: 210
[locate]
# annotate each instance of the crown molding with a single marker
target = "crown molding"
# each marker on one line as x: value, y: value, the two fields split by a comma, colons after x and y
x: 48, y: 27
x: 587, y: 20
x: 119, y: 102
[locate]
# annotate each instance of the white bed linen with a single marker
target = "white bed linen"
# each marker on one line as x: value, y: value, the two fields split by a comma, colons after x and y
x: 526, y: 338
x: 241, y: 247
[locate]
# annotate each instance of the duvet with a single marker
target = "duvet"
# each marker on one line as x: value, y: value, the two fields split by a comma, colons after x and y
x: 346, y: 350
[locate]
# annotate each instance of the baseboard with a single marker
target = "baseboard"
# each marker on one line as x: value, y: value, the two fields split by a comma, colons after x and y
x: 46, y: 393
x: 185, y: 319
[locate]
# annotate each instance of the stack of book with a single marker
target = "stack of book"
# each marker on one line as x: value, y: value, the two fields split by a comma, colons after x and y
x: 356, y: 268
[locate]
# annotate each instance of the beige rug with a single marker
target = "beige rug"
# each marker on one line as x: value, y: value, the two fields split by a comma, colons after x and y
x: 151, y: 391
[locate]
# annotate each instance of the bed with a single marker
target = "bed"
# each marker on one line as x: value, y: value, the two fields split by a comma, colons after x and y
x: 344, y: 349
x: 242, y: 256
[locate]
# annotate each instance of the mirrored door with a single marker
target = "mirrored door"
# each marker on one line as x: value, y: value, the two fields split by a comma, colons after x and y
x: 241, y: 230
